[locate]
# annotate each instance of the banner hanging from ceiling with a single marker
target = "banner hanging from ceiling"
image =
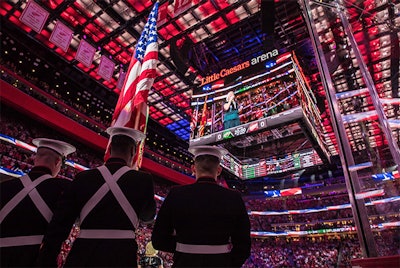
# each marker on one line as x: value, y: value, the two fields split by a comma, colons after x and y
x: 106, y: 68
x: 61, y: 36
x: 181, y: 6
x: 34, y: 16
x: 162, y: 14
x: 85, y: 53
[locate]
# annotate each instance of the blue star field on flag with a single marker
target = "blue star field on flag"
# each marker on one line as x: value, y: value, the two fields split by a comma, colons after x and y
x: 149, y: 34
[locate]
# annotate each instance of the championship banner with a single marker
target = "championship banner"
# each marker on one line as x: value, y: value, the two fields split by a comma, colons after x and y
x: 106, y: 68
x: 181, y: 6
x: 162, y: 14
x: 34, y: 16
x: 121, y: 79
x: 85, y: 53
x: 61, y: 36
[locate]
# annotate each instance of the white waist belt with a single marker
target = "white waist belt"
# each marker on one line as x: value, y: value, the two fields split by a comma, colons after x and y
x: 203, y: 249
x: 106, y: 234
x: 16, y: 241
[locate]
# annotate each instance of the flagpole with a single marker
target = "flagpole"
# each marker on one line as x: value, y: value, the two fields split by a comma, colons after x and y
x: 137, y: 116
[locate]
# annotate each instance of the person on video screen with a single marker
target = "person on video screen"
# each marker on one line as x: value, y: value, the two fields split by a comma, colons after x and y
x: 231, y: 111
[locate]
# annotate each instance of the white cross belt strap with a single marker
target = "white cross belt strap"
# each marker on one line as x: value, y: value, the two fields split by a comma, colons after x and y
x: 38, y: 200
x: 203, y: 249
x: 29, y: 189
x: 111, y: 184
x: 106, y: 234
x: 21, y: 241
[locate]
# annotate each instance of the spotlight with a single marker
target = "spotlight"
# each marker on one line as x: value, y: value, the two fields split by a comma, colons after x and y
x: 270, y: 64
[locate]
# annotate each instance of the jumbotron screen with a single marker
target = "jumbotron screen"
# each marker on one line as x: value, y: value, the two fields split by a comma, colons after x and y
x: 243, y: 101
x: 234, y: 104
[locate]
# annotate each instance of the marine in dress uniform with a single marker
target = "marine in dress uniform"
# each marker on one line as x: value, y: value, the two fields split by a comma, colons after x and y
x: 204, y: 224
x: 27, y: 204
x: 109, y: 202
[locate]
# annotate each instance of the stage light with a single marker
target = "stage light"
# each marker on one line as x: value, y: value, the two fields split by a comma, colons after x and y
x: 207, y: 87
x: 270, y: 64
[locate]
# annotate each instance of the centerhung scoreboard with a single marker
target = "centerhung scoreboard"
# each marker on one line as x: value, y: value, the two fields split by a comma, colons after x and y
x: 271, y: 101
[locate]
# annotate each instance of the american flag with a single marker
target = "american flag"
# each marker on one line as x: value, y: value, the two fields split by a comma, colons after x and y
x: 131, y: 109
x: 203, y: 120
x: 193, y: 122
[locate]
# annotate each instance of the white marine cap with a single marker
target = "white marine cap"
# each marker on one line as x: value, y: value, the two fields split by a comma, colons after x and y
x: 59, y: 147
x: 136, y: 135
x: 208, y: 150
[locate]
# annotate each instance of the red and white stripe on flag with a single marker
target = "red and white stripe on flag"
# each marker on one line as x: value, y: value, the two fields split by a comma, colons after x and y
x: 131, y: 109
x: 140, y: 75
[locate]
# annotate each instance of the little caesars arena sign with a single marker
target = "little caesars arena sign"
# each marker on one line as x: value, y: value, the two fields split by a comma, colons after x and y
x: 225, y: 72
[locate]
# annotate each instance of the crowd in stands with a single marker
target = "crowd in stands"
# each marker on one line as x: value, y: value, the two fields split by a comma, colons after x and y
x: 318, y: 251
x: 69, y: 107
x: 334, y: 218
x: 334, y: 250
x: 167, y: 159
x: 299, y: 201
x: 21, y: 159
x: 291, y: 253
x: 94, y: 122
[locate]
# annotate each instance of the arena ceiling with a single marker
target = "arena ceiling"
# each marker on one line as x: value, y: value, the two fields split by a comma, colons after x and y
x: 206, y: 37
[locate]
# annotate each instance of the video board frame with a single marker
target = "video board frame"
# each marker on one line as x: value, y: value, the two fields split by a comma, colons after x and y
x: 279, y: 81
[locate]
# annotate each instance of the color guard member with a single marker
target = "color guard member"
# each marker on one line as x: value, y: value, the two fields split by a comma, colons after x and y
x: 204, y: 224
x: 27, y: 204
x: 109, y: 201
